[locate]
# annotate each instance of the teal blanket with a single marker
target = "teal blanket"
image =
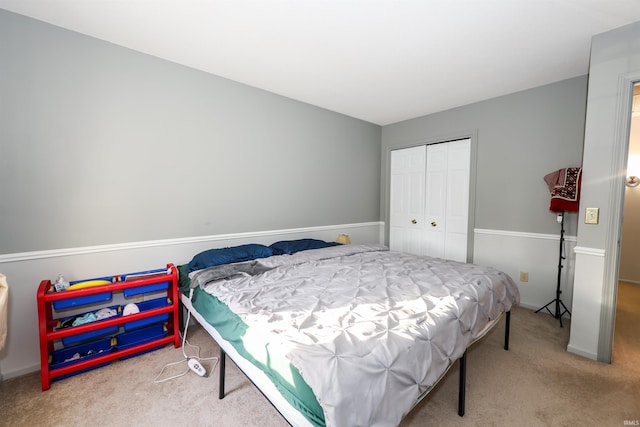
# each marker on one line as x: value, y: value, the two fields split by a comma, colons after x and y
x: 284, y: 376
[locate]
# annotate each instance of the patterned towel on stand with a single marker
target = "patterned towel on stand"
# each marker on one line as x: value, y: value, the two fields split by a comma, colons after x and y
x: 564, y: 185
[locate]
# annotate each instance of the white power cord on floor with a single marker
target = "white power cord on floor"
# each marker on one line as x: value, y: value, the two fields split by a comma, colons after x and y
x: 193, y: 362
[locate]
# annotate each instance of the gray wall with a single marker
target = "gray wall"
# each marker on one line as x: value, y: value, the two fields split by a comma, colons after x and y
x: 101, y: 144
x: 520, y: 138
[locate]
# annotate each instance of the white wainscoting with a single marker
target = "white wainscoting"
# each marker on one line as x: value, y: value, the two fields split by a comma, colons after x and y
x: 537, y: 254
x: 585, y: 329
x: 24, y: 272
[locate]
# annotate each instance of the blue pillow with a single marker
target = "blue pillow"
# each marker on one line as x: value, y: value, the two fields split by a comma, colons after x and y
x: 292, y: 246
x: 213, y: 257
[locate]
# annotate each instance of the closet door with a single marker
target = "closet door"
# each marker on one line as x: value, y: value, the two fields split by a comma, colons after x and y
x: 447, y: 199
x: 406, y: 211
x: 436, y: 200
x: 429, y: 209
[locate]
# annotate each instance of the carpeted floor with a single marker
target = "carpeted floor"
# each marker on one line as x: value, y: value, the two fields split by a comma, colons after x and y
x: 536, y: 383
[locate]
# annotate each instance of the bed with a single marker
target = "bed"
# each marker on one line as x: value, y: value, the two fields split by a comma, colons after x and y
x: 342, y: 335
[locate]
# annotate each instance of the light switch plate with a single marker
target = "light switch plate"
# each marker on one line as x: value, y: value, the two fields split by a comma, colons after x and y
x: 591, y: 216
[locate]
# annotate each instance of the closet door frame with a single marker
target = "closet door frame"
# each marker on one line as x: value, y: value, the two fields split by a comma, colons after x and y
x: 472, y: 135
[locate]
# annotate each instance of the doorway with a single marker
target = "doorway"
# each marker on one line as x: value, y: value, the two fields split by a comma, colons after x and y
x: 626, y: 338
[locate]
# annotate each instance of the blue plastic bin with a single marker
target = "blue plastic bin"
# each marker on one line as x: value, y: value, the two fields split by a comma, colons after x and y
x: 129, y: 292
x: 90, y: 350
x: 75, y: 339
x: 84, y: 300
x: 149, y: 305
x: 140, y: 336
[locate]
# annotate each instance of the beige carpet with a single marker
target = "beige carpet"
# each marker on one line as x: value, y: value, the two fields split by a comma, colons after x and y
x: 536, y: 383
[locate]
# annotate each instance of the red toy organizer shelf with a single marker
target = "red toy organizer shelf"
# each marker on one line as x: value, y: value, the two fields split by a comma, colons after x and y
x: 47, y: 323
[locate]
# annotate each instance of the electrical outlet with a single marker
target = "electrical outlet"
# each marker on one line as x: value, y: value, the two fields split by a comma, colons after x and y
x: 591, y: 216
x: 524, y: 276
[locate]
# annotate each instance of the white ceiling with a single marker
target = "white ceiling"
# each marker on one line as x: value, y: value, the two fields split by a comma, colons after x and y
x: 382, y: 61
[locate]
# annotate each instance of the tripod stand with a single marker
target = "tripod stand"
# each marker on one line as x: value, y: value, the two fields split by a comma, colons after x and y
x: 557, y: 301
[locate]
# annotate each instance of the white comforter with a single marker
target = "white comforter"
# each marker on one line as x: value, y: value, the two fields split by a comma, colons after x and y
x: 370, y: 330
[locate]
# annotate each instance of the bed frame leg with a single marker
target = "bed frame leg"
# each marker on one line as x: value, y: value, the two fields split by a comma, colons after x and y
x: 506, y: 331
x: 223, y: 359
x: 463, y: 382
x: 463, y: 367
x: 181, y: 315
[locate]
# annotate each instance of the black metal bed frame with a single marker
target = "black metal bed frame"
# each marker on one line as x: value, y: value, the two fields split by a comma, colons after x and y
x: 461, y: 388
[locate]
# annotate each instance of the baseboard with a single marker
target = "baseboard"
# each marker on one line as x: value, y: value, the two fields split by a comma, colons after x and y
x: 528, y: 306
x: 627, y: 281
x: 583, y: 353
x: 19, y: 372
x: 536, y: 308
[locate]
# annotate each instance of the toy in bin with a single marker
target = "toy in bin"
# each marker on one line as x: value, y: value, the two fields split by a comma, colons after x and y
x: 89, y: 317
x: 61, y: 285
x: 144, y: 306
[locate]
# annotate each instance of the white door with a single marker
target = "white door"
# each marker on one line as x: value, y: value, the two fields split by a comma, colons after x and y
x: 436, y: 199
x: 444, y: 200
x: 448, y: 199
x: 407, y: 200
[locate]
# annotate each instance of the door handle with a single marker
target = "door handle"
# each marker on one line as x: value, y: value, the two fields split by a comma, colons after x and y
x: 413, y: 221
x: 433, y: 223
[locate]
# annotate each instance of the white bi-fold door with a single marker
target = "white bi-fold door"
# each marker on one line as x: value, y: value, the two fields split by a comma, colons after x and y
x: 429, y: 206
x: 407, y: 196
